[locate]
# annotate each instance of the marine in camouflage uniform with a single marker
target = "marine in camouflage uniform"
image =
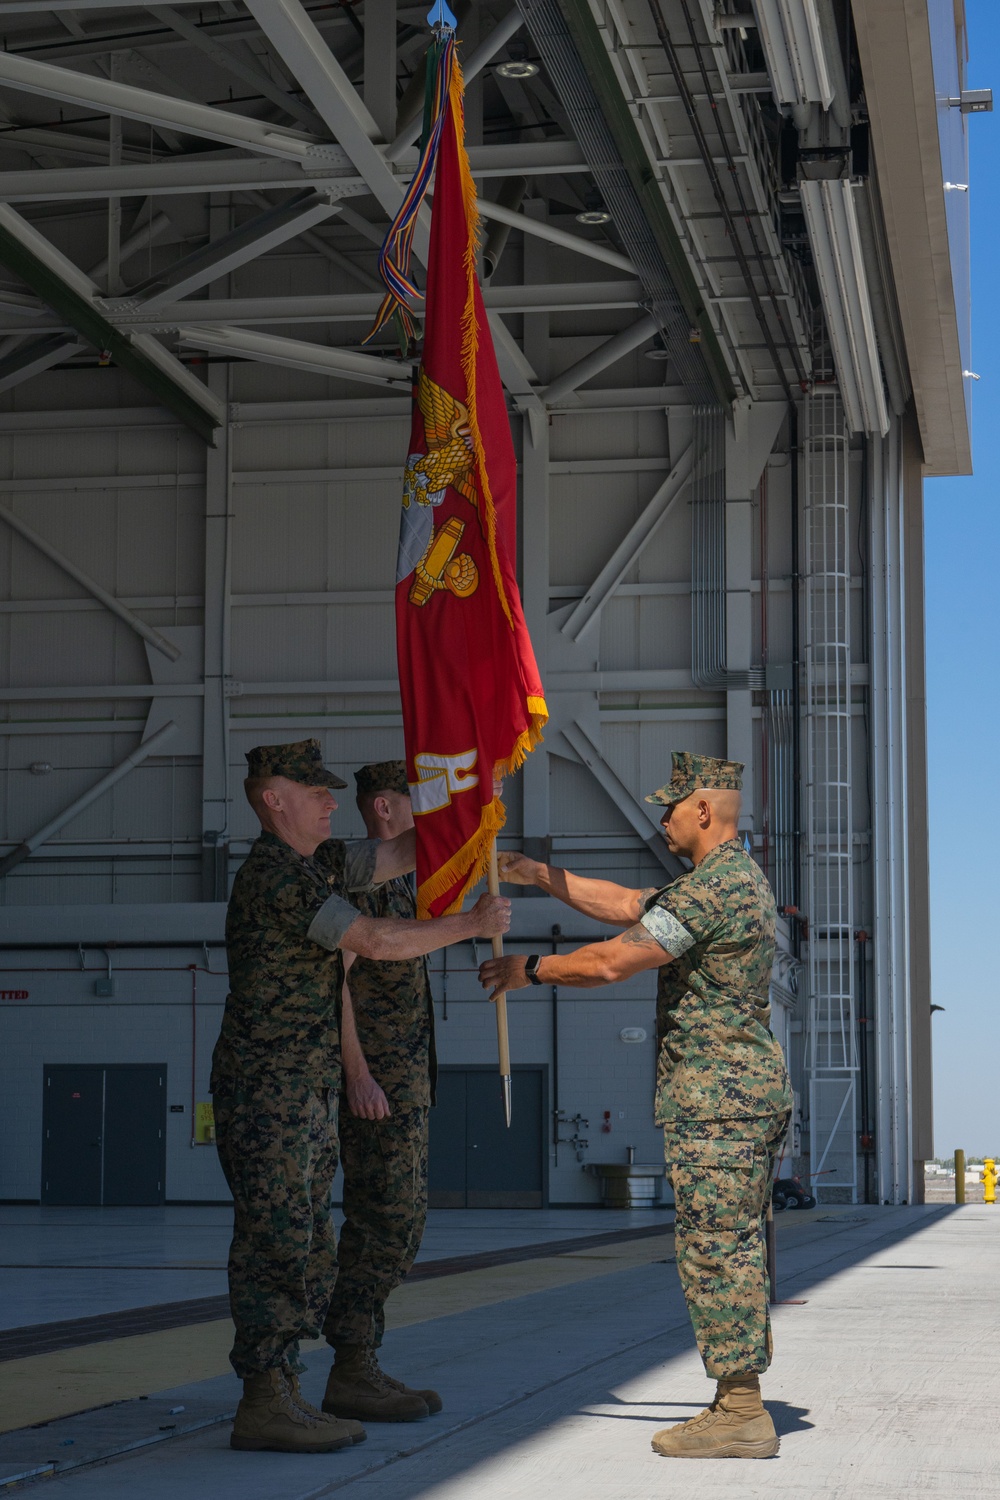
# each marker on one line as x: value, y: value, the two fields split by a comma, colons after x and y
x: 384, y: 1155
x: 276, y: 1075
x: 722, y: 1089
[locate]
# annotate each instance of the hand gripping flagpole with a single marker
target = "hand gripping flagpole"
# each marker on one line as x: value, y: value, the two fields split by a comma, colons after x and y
x: 503, y: 1042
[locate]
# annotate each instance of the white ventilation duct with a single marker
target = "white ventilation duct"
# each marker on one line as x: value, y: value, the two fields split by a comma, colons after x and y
x: 835, y: 240
x: 792, y: 38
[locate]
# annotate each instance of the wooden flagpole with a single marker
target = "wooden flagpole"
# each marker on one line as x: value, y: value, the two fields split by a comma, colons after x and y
x: 503, y: 1042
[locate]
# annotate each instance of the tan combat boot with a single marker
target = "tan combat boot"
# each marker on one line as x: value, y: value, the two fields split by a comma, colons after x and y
x: 734, y: 1426
x: 354, y: 1430
x: 268, y: 1417
x: 357, y: 1388
x: 431, y: 1399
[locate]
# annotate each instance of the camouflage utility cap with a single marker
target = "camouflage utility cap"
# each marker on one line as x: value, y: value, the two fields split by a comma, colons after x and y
x: 301, y: 761
x: 692, y: 773
x: 382, y: 776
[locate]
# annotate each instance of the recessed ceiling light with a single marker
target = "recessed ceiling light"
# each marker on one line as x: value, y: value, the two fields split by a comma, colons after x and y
x: 517, y: 67
x: 593, y: 216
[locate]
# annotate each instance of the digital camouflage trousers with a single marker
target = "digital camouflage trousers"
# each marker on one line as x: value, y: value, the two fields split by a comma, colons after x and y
x: 277, y: 1143
x: 385, y: 1209
x: 721, y: 1173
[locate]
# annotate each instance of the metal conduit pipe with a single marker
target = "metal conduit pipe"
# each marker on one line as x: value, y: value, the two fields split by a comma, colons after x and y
x: 781, y: 735
x: 511, y: 195
x: 795, y: 852
x: 577, y: 63
x: 743, y: 218
x: 148, y: 748
x: 708, y: 559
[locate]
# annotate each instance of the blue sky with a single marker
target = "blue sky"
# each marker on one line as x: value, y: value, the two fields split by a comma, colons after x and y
x: 963, y: 704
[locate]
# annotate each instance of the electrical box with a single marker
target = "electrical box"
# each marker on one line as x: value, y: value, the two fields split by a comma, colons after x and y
x: 204, y: 1123
x: 104, y: 988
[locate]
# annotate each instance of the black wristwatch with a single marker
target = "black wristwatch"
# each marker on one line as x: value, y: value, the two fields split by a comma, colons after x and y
x: 531, y: 968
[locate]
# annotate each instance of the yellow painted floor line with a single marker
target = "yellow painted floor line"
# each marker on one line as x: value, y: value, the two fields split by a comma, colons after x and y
x: 45, y: 1386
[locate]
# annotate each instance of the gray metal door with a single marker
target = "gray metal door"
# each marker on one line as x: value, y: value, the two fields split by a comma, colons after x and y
x: 135, y: 1118
x: 104, y: 1134
x: 446, y: 1166
x: 72, y: 1135
x: 475, y: 1161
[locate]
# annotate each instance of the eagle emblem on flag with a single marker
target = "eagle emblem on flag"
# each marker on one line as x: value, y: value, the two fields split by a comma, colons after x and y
x: 431, y: 555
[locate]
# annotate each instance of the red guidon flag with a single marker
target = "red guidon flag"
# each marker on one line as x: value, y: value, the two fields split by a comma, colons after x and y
x: 472, y: 699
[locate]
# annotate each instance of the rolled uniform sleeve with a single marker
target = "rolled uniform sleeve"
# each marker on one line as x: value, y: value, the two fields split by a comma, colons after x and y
x: 349, y: 868
x: 331, y: 922
x: 359, y: 864
x: 677, y: 918
x: 671, y: 935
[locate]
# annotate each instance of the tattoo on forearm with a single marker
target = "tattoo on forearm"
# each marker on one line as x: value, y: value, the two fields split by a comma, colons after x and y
x: 639, y: 937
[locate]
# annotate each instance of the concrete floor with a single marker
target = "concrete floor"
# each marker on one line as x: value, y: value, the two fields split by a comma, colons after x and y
x: 882, y: 1385
x: 58, y: 1263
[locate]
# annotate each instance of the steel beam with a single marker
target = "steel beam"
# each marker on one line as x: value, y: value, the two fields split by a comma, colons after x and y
x: 64, y: 143
x: 152, y: 746
x: 189, y: 174
x: 337, y: 189
x: 625, y: 554
x: 295, y: 354
x: 361, y: 307
x: 240, y: 67
x: 644, y: 680
x: 627, y: 804
x: 72, y: 295
x: 380, y: 64
x: 155, y: 226
x: 205, y: 172
x: 518, y: 375
x: 20, y: 363
x: 39, y: 354
x: 599, y: 359
x: 44, y: 6
x: 296, y: 39
x: 110, y: 97
x: 248, y: 242
x: 341, y: 409
x: 545, y: 231
x: 156, y: 640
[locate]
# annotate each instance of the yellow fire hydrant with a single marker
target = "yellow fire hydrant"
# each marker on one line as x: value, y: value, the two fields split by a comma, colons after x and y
x: 989, y: 1180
